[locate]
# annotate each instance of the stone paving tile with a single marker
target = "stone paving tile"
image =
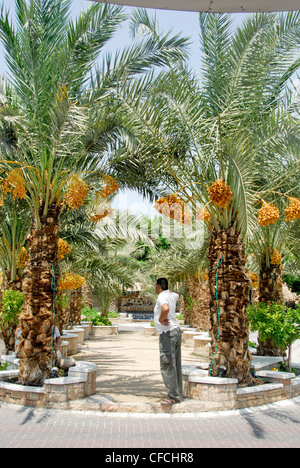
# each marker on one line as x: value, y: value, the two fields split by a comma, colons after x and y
x: 273, y: 426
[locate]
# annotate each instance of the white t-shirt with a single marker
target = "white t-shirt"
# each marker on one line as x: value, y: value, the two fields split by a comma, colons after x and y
x: 170, y: 298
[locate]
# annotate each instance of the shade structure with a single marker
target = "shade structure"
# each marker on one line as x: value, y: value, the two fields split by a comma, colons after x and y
x: 213, y: 6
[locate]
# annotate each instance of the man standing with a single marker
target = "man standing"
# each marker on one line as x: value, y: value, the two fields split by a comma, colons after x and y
x: 169, y: 340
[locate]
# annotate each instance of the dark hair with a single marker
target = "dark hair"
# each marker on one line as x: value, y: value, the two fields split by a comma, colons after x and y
x: 163, y: 283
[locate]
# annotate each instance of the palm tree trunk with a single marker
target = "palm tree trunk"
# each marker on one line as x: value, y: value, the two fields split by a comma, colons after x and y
x: 37, y: 319
x: 229, y: 297
x: 87, y: 295
x: 75, y: 306
x: 270, y: 284
x: 58, y: 310
x: 196, y: 304
x: 270, y: 290
x: 66, y: 314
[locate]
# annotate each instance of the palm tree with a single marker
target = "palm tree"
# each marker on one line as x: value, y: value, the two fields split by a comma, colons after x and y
x: 102, y: 251
x: 14, y: 225
x: 270, y: 247
x: 214, y: 140
x: 63, y: 125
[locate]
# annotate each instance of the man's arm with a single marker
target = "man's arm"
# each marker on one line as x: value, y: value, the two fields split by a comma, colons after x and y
x: 163, y: 319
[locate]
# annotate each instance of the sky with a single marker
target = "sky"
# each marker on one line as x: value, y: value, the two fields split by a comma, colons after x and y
x: 178, y: 21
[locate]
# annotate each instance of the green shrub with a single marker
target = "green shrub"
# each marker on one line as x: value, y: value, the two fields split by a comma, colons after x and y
x: 276, y: 322
x: 113, y: 314
x: 12, y: 303
x: 94, y: 316
x: 101, y: 321
x: 89, y: 313
x: 293, y: 282
x: 63, y: 301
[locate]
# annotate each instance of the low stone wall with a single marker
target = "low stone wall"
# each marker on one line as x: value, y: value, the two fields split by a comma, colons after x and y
x: 73, y: 341
x: 295, y: 387
x: 283, y: 378
x: 217, y: 393
x: 80, y: 383
x: 64, y: 345
x: 21, y: 395
x: 100, y: 331
x: 188, y: 337
x: 260, y: 395
x: 150, y: 331
x: 87, y: 327
x: 79, y: 331
x: 202, y: 393
x: 202, y: 346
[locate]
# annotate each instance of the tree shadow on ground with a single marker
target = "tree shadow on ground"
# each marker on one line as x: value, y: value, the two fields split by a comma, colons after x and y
x: 257, y: 429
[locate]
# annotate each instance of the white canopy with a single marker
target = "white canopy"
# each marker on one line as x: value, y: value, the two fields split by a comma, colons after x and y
x: 214, y: 6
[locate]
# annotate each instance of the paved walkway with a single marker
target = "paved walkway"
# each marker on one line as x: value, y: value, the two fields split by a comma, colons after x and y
x: 129, y: 372
x: 128, y: 365
x: 276, y: 426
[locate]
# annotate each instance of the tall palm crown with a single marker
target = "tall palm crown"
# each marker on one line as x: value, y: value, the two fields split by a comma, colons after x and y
x: 57, y: 126
x: 216, y: 139
x: 49, y: 59
x: 56, y: 101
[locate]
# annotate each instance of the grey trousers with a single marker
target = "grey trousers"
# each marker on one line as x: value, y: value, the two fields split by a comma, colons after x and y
x: 170, y: 362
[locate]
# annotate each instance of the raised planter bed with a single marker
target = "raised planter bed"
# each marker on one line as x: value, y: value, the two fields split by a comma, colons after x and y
x: 184, y: 328
x: 188, y: 337
x: 284, y: 378
x: 100, y: 331
x: 90, y: 324
x: 215, y: 392
x: 202, y: 345
x: 296, y: 367
x: 11, y: 359
x: 265, y: 362
x: 187, y: 371
x: 80, y: 383
x: 259, y: 395
x: 87, y: 329
x: 295, y: 387
x: 221, y: 393
x: 78, y: 331
x: 9, y: 374
x: 150, y: 331
x: 203, y: 393
x: 73, y: 340
x: 63, y: 348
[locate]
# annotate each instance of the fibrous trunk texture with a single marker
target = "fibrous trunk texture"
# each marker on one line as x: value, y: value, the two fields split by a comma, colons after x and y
x: 196, y: 304
x: 229, y: 296
x: 270, y: 284
x: 87, y: 295
x: 66, y: 313
x: 75, y: 306
x: 41, y: 278
x: 270, y: 290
